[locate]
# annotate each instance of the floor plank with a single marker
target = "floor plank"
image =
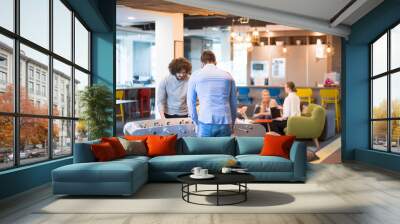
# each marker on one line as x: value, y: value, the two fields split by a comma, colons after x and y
x: 376, y: 190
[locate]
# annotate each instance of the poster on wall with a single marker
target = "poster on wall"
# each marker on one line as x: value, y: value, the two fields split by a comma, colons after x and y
x: 278, y: 67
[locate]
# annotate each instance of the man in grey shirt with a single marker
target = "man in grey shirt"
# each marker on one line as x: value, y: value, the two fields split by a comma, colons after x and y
x: 172, y: 90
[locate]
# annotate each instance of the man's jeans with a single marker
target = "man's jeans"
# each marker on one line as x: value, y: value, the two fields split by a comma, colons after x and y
x: 213, y: 130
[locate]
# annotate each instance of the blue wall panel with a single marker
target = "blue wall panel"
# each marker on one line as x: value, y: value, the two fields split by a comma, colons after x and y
x: 356, y: 85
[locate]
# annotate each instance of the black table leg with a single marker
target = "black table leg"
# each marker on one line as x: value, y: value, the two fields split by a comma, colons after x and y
x: 217, y: 194
x: 196, y: 187
x: 245, y: 193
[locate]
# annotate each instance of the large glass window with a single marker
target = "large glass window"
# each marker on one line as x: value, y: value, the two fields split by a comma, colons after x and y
x: 40, y: 123
x: 40, y: 62
x: 385, y: 96
x: 81, y: 45
x: 35, y: 21
x: 62, y: 29
x: 395, y: 47
x: 6, y: 142
x: 6, y: 74
x: 81, y: 81
x: 62, y: 89
x: 7, y: 14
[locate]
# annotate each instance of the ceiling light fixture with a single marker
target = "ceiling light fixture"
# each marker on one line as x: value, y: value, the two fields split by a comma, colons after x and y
x: 256, y: 33
x: 328, y: 49
x: 248, y: 38
x: 131, y: 18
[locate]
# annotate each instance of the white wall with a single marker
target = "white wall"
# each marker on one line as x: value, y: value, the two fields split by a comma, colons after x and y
x: 302, y: 67
x: 169, y: 28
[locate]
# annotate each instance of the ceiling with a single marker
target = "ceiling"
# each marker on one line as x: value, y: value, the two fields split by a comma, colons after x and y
x: 165, y: 6
x: 320, y: 9
x: 328, y: 16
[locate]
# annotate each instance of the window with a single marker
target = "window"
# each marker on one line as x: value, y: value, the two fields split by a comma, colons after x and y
x: 6, y: 142
x: 385, y: 96
x: 7, y: 14
x: 30, y: 72
x: 81, y: 81
x: 6, y: 73
x: 81, y: 45
x: 35, y: 21
x: 44, y: 91
x: 30, y: 88
x: 37, y: 89
x: 62, y: 29
x: 3, y: 78
x: 47, y: 75
x: 62, y: 76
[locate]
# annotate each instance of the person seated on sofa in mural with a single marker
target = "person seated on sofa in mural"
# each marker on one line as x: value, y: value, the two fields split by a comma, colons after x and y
x: 216, y: 91
x: 172, y: 90
x: 291, y: 107
x: 263, y: 110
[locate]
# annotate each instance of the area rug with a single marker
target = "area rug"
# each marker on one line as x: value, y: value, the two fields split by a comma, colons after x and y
x: 166, y: 198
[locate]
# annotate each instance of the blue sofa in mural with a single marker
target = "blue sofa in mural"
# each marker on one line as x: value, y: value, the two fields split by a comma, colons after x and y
x: 125, y: 176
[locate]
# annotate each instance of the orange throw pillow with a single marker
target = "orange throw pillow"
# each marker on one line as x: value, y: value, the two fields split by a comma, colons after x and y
x: 277, y: 145
x: 116, y: 145
x: 161, y: 145
x: 103, y: 152
x: 136, y: 137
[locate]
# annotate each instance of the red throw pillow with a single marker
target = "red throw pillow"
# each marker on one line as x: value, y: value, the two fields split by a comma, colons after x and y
x: 103, y: 152
x: 161, y: 145
x: 277, y: 145
x: 116, y: 145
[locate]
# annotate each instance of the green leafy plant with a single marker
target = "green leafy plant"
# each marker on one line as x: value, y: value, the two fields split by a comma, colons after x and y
x: 96, y: 103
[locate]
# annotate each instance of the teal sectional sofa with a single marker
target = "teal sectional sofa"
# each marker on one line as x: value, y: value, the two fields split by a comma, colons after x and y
x: 125, y: 176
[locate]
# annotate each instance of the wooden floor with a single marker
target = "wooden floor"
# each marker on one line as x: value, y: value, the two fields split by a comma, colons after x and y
x: 378, y: 189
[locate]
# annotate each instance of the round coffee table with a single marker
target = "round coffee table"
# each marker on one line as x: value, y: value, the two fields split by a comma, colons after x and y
x: 238, y: 179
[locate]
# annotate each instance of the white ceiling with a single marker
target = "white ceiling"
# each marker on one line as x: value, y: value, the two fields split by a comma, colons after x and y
x: 314, y: 15
x: 321, y: 9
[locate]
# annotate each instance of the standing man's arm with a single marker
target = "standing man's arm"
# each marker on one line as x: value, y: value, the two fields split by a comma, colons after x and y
x: 191, y: 100
x: 162, y: 98
x: 233, y: 102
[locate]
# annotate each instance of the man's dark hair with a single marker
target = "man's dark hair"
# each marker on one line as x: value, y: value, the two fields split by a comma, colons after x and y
x: 291, y: 86
x: 208, y: 57
x: 179, y: 64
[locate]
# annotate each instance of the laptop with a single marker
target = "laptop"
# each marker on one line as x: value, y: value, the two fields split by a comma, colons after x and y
x: 275, y: 112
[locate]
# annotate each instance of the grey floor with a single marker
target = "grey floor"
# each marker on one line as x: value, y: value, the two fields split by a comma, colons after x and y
x: 378, y: 189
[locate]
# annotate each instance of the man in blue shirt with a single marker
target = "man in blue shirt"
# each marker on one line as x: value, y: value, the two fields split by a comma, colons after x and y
x: 216, y: 91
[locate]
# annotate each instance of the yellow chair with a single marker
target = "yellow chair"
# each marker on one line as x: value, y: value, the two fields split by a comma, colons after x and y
x: 305, y: 95
x: 119, y: 95
x: 331, y: 96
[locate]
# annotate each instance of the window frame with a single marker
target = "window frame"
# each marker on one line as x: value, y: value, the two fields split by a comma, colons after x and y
x: 15, y: 68
x: 388, y: 74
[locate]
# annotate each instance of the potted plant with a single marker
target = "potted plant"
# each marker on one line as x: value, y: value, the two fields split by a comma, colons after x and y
x: 96, y: 103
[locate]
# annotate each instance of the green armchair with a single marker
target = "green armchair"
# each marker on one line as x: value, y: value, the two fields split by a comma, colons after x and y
x: 309, y: 126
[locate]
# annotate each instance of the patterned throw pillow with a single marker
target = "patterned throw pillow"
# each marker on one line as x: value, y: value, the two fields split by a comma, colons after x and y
x: 134, y: 147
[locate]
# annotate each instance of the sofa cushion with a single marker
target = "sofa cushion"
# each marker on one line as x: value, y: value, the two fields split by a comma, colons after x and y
x: 257, y: 163
x: 249, y: 145
x: 161, y: 145
x: 185, y: 163
x: 134, y: 147
x: 116, y: 145
x: 112, y: 171
x: 207, y: 145
x: 277, y: 145
x: 103, y: 152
